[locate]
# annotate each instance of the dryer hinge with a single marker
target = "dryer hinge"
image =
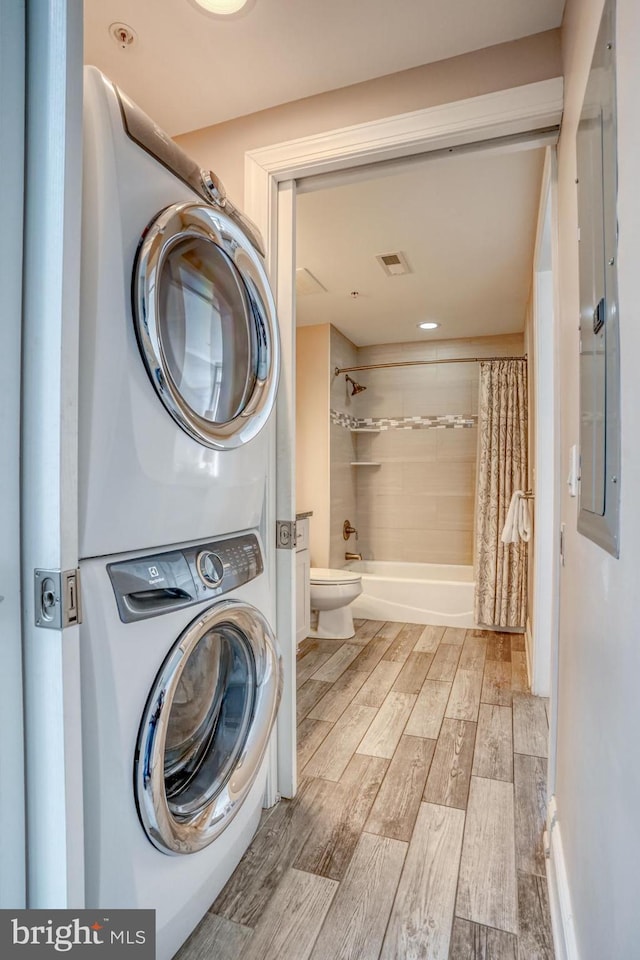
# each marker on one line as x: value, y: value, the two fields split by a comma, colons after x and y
x: 286, y: 534
x: 57, y: 598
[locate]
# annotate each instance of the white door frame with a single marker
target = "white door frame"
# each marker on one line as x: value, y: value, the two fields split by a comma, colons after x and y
x: 12, y: 134
x: 285, y: 480
x: 53, y: 177
x: 548, y: 480
x: 546, y: 485
x: 520, y: 110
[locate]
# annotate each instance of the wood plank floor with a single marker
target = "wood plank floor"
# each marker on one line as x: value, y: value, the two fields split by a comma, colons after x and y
x: 416, y: 833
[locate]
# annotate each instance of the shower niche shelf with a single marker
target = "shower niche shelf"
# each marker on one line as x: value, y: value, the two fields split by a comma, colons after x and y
x: 365, y: 463
x: 365, y: 429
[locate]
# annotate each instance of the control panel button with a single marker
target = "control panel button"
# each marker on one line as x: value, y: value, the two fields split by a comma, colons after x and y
x: 210, y: 568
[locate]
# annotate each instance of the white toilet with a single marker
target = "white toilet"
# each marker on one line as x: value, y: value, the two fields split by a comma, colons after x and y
x: 331, y: 593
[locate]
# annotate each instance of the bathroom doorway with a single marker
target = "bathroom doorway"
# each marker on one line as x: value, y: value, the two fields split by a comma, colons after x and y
x: 272, y: 176
x: 400, y: 301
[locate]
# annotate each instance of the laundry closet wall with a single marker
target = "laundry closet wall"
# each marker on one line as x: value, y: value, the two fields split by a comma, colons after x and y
x: 222, y: 146
x: 597, y: 787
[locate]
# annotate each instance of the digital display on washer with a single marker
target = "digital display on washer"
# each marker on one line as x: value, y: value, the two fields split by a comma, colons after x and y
x: 162, y: 582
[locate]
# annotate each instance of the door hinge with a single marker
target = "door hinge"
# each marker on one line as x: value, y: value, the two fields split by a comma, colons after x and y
x: 286, y: 534
x: 57, y: 598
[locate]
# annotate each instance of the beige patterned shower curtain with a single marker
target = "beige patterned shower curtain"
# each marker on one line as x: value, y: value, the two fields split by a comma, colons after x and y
x: 501, y: 569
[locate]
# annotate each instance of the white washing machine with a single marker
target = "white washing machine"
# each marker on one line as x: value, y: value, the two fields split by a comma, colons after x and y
x: 181, y: 683
x: 179, y: 350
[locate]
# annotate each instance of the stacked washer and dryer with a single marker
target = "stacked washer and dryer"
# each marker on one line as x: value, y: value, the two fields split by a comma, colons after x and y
x: 180, y: 667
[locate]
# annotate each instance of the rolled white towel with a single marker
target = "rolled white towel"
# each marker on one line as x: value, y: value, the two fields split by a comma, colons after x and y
x: 518, y: 523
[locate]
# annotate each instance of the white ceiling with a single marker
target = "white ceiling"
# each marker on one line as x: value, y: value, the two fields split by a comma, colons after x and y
x: 466, y: 225
x: 187, y: 70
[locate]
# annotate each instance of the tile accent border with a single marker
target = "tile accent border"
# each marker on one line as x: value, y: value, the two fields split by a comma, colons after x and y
x: 448, y: 421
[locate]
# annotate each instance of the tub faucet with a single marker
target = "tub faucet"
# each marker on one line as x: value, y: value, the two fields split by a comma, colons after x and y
x: 353, y: 556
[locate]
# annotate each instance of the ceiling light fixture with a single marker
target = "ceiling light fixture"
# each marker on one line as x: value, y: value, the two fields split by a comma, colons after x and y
x: 224, y: 8
x: 428, y: 325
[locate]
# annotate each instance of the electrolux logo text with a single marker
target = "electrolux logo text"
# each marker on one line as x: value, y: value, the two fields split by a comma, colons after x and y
x: 31, y: 934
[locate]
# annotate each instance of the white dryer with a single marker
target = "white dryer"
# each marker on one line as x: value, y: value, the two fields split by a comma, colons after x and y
x: 181, y: 682
x: 179, y: 350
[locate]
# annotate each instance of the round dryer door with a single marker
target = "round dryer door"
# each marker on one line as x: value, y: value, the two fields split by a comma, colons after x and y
x: 206, y: 325
x: 206, y: 727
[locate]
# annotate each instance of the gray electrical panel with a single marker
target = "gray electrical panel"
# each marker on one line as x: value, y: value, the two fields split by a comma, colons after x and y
x: 598, y: 516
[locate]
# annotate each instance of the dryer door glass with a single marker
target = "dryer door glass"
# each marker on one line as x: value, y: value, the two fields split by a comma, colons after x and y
x: 209, y: 719
x: 207, y: 330
x: 206, y: 326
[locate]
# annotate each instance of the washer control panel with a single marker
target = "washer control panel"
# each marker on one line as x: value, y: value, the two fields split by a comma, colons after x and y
x: 161, y: 582
x: 223, y: 565
x: 210, y: 568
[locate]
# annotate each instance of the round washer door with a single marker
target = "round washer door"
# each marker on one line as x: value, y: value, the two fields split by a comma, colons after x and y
x: 206, y: 727
x: 206, y: 324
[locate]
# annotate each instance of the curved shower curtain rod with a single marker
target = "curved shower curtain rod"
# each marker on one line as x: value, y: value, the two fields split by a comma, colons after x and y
x: 421, y: 363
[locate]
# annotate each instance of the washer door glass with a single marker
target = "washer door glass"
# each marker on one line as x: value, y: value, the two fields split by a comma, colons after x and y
x: 205, y: 322
x: 207, y: 330
x: 209, y: 719
x: 206, y: 726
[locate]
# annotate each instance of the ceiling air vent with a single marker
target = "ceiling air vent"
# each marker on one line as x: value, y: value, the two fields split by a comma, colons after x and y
x: 394, y: 264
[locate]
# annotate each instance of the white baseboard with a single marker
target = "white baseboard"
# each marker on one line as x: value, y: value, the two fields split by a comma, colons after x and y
x: 564, y: 937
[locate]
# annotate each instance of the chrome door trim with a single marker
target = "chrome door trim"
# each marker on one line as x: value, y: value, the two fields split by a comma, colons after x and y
x: 192, y: 219
x: 188, y: 834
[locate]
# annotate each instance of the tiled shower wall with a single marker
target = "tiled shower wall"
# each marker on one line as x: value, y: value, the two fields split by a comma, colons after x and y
x: 418, y: 504
x: 343, y: 476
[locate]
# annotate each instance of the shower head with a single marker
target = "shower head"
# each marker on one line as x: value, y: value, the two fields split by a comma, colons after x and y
x: 355, y: 387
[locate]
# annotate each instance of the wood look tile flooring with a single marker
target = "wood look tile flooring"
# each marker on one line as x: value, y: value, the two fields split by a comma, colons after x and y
x: 416, y: 832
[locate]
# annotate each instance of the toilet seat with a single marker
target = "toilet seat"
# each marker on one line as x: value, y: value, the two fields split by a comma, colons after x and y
x: 320, y: 575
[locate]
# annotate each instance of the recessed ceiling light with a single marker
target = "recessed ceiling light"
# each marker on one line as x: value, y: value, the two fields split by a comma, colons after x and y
x: 224, y: 8
x: 428, y: 325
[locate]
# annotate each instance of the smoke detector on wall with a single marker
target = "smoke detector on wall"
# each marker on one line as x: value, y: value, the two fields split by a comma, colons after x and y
x: 394, y: 264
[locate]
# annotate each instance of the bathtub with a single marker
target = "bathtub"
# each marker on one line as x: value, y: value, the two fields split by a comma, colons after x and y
x: 440, y: 594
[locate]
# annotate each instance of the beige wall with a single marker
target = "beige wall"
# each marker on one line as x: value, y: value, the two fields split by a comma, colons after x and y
x: 419, y: 504
x: 312, y: 435
x: 598, y: 774
x: 222, y: 147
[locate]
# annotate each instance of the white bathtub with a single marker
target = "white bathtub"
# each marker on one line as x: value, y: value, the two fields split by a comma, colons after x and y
x: 440, y: 594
